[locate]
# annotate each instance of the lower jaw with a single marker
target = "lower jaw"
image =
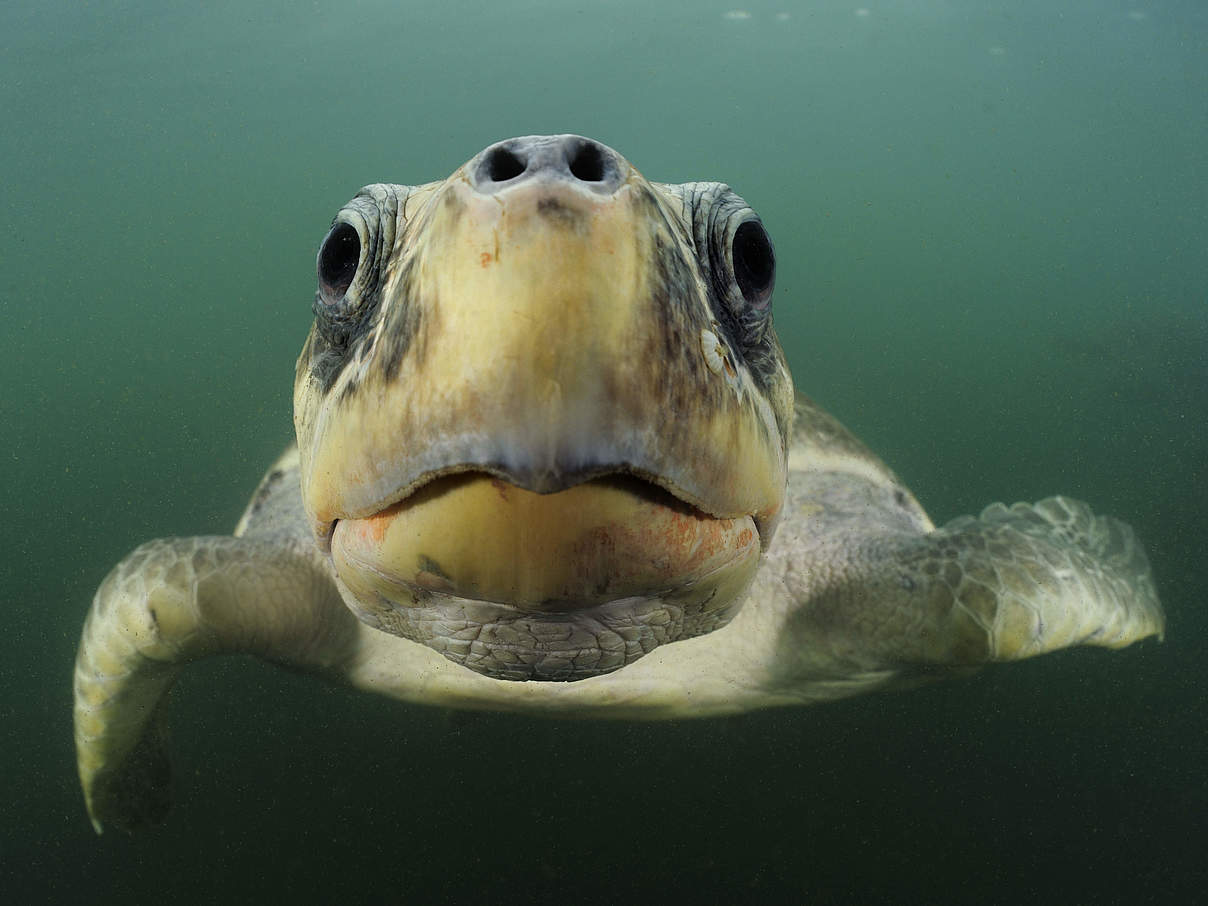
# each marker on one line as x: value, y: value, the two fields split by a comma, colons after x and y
x: 518, y: 585
x: 502, y: 642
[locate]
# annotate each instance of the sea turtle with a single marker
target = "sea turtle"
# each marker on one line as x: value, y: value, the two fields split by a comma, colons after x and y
x: 549, y: 458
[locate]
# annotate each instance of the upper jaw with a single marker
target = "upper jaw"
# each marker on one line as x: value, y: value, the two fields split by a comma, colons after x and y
x: 583, y: 459
x: 545, y: 335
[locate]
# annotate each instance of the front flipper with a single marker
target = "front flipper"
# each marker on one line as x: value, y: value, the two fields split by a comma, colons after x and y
x: 1028, y: 579
x: 874, y: 598
x: 170, y: 602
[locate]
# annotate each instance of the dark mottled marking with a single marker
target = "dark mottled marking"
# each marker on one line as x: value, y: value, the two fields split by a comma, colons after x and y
x: 672, y: 359
x: 403, y: 324
x: 453, y: 207
x: 561, y: 214
x: 266, y: 488
x: 428, y: 565
x: 325, y: 358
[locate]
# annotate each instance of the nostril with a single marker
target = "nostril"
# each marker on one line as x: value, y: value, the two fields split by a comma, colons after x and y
x: 502, y: 165
x: 587, y: 163
x: 517, y: 162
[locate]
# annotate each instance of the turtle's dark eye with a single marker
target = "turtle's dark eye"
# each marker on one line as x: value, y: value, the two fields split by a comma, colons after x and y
x: 754, y: 263
x: 337, y: 264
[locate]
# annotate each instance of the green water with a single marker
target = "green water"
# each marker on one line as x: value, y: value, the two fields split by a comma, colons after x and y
x: 992, y: 225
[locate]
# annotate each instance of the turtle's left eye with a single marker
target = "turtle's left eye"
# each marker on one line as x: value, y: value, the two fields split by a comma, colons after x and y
x: 754, y: 263
x: 339, y: 257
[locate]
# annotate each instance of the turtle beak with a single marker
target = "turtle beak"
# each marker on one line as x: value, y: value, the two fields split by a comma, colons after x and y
x: 477, y: 537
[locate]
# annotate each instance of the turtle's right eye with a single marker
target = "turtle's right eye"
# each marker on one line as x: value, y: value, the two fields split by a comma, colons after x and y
x: 754, y: 263
x: 338, y: 259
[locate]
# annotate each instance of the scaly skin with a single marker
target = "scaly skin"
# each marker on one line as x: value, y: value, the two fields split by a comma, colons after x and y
x: 173, y: 601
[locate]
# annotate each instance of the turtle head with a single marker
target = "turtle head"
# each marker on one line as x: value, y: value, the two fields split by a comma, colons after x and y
x: 542, y: 414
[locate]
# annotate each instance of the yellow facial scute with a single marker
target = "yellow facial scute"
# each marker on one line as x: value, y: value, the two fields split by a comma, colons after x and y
x: 478, y: 537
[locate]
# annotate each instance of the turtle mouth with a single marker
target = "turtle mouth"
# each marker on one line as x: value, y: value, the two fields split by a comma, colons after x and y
x: 517, y: 584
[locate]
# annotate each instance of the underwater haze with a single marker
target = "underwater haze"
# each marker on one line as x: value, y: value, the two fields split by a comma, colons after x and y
x: 991, y: 222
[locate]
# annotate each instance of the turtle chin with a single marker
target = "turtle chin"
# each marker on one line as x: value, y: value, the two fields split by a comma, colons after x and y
x: 563, y: 586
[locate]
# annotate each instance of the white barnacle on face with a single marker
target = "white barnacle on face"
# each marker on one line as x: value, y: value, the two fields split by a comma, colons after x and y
x: 718, y: 358
x: 714, y: 351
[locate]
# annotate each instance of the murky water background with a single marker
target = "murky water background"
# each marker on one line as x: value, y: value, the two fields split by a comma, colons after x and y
x: 992, y: 225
